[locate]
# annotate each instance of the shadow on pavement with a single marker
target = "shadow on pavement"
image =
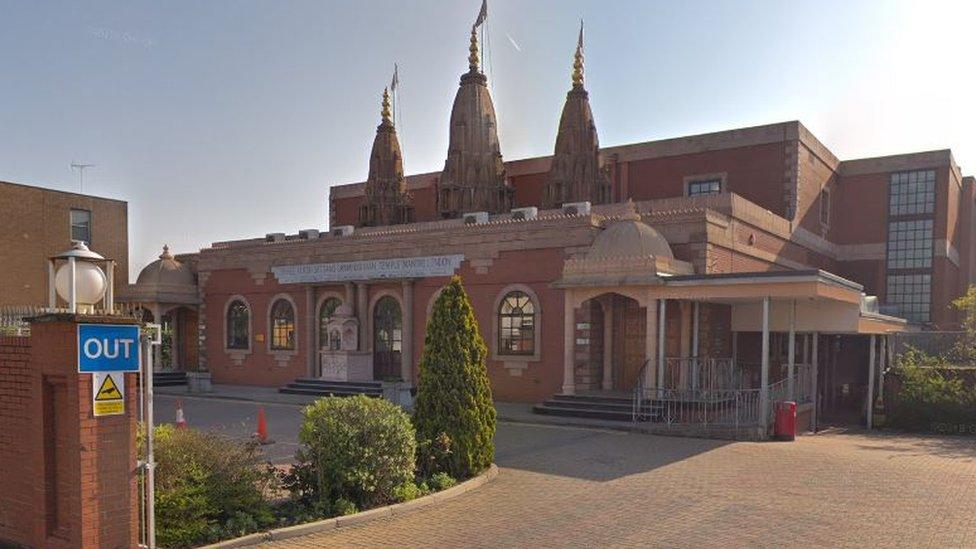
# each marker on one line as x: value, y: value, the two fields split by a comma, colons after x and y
x: 591, y: 454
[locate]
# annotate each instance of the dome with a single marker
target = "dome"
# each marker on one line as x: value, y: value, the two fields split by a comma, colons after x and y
x: 166, y: 271
x: 629, y: 238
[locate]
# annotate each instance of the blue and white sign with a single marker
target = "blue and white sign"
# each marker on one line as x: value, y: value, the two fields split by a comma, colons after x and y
x: 108, y: 348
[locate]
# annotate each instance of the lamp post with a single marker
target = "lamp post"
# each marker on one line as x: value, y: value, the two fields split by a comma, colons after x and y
x: 81, y: 278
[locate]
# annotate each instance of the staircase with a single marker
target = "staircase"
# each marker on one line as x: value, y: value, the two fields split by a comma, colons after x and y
x: 323, y: 388
x: 605, y: 407
x: 169, y: 379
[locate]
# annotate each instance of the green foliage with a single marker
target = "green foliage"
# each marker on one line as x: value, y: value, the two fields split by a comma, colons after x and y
x: 208, y: 487
x: 406, y: 492
x: 930, y: 397
x: 454, y: 412
x: 441, y: 481
x: 357, y: 450
x: 965, y: 348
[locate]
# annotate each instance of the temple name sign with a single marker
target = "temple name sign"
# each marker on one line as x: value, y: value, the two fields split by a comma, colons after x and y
x: 402, y: 267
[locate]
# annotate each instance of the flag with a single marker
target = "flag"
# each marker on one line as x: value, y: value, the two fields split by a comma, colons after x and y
x: 483, y: 14
x: 396, y: 78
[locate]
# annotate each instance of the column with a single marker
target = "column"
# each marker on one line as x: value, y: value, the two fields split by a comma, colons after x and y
x: 569, y: 330
x: 870, y: 412
x: 652, y: 346
x: 764, y: 389
x: 608, y: 343
x: 815, y: 366
x: 685, y: 375
x: 695, y: 363
x: 791, y: 350
x: 662, y: 314
x: 406, y: 354
x: 882, y: 365
x: 311, y: 321
x: 362, y: 314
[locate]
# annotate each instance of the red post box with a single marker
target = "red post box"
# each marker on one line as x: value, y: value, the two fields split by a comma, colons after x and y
x: 785, y: 425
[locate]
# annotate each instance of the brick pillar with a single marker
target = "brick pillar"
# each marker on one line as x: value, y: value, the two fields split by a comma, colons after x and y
x: 68, y: 479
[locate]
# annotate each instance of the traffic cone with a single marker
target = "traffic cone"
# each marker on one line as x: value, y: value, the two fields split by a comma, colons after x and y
x: 262, y: 433
x: 180, y: 418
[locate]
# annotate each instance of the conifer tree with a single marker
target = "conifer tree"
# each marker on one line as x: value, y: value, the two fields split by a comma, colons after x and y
x: 454, y: 413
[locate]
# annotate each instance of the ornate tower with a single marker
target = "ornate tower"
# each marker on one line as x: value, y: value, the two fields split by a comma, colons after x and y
x: 577, y: 173
x: 474, y: 174
x: 386, y: 201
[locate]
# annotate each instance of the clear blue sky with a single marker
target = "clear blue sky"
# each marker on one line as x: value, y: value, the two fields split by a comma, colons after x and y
x: 230, y: 119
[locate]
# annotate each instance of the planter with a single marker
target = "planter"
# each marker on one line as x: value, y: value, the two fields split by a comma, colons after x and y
x: 198, y: 382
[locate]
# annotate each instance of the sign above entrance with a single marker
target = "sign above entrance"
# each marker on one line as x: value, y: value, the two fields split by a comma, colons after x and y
x: 108, y: 348
x: 404, y: 267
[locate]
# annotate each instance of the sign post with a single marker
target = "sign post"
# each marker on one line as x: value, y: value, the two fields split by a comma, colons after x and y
x: 150, y: 337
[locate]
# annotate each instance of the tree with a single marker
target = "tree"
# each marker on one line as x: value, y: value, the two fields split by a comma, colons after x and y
x: 454, y: 413
x: 965, y: 347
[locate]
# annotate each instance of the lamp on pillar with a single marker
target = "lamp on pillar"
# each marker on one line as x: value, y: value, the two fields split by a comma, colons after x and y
x: 81, y: 278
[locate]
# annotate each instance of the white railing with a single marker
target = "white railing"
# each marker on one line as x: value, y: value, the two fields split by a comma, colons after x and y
x: 701, y: 373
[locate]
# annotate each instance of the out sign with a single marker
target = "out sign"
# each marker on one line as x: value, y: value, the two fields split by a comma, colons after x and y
x: 108, y: 348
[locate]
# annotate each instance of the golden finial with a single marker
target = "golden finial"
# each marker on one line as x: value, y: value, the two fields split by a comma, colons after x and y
x: 578, y: 59
x: 386, y: 105
x: 473, y: 58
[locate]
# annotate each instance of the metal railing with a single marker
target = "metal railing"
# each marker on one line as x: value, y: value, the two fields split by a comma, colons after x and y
x: 718, y: 402
x: 701, y: 373
x: 13, y: 318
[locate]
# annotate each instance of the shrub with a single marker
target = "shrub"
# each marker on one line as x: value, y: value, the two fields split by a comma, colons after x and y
x: 929, y: 398
x: 406, y: 492
x: 357, y: 450
x: 207, y: 487
x: 441, y: 481
x: 454, y: 413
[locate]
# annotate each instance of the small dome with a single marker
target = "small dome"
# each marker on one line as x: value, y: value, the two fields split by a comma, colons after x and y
x: 629, y: 238
x: 166, y: 271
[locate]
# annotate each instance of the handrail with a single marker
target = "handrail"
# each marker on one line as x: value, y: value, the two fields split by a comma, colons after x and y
x: 639, y: 388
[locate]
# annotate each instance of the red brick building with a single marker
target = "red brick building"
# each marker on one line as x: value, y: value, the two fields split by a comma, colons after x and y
x: 745, y: 258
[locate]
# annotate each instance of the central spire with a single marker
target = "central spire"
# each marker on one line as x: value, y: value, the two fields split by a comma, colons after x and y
x: 385, y: 200
x: 474, y: 174
x: 577, y: 173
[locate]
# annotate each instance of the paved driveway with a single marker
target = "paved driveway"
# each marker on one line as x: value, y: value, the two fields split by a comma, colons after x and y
x: 572, y: 487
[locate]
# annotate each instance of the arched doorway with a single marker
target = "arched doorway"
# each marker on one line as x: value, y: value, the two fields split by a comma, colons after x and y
x: 387, y: 338
x: 611, y: 331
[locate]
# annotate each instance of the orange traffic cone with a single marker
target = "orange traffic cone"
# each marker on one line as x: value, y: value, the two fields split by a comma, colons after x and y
x: 180, y: 419
x: 262, y: 433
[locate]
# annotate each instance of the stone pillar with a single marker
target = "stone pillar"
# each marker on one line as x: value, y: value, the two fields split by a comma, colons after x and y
x: 662, y: 307
x: 406, y: 353
x: 684, y: 346
x: 607, y: 343
x: 67, y: 479
x: 764, y: 383
x: 791, y: 359
x: 695, y: 342
x: 569, y: 331
x: 312, y: 324
x: 814, y: 388
x: 870, y: 397
x: 362, y: 313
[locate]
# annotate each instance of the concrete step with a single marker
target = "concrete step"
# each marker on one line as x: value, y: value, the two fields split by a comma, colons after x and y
x: 169, y: 379
x: 323, y: 382
x: 610, y: 406
x: 595, y: 399
x: 611, y: 415
x: 321, y: 387
x: 325, y: 392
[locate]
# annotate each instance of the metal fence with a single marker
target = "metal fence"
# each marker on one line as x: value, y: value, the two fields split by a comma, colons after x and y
x: 933, y: 343
x: 14, y: 318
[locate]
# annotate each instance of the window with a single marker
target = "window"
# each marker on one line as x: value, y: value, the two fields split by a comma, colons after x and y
x: 516, y: 325
x: 81, y: 225
x: 704, y: 187
x: 911, y: 293
x: 238, y: 325
x: 910, y: 244
x: 825, y: 207
x: 326, y: 311
x: 912, y: 193
x: 282, y: 326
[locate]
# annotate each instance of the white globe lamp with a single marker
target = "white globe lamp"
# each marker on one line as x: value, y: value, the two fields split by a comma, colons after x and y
x: 89, y: 283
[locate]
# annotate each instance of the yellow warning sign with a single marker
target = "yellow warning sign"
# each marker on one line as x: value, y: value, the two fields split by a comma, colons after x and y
x: 108, y: 393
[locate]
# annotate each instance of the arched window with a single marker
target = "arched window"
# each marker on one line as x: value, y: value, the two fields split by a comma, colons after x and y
x: 516, y: 325
x: 238, y: 325
x: 282, y: 326
x: 326, y: 311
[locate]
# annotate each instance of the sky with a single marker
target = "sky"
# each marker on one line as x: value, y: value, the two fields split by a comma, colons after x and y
x: 221, y: 120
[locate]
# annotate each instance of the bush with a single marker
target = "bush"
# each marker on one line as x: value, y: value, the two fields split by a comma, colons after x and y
x: 929, y: 398
x: 357, y: 451
x: 454, y: 414
x: 207, y: 487
x: 441, y: 481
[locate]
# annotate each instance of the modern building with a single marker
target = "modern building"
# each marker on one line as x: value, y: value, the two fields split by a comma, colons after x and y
x: 37, y: 223
x: 745, y: 260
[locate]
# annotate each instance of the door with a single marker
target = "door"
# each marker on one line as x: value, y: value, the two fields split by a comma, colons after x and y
x: 387, y: 339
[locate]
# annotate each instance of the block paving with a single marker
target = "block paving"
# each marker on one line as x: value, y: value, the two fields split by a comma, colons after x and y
x: 571, y: 487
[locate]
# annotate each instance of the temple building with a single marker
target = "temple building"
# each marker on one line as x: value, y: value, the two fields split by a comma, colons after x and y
x: 693, y: 279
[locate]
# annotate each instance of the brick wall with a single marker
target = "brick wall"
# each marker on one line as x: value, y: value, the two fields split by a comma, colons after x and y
x: 67, y: 479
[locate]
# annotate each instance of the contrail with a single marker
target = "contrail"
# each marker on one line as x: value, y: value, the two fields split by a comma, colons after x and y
x: 514, y: 43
